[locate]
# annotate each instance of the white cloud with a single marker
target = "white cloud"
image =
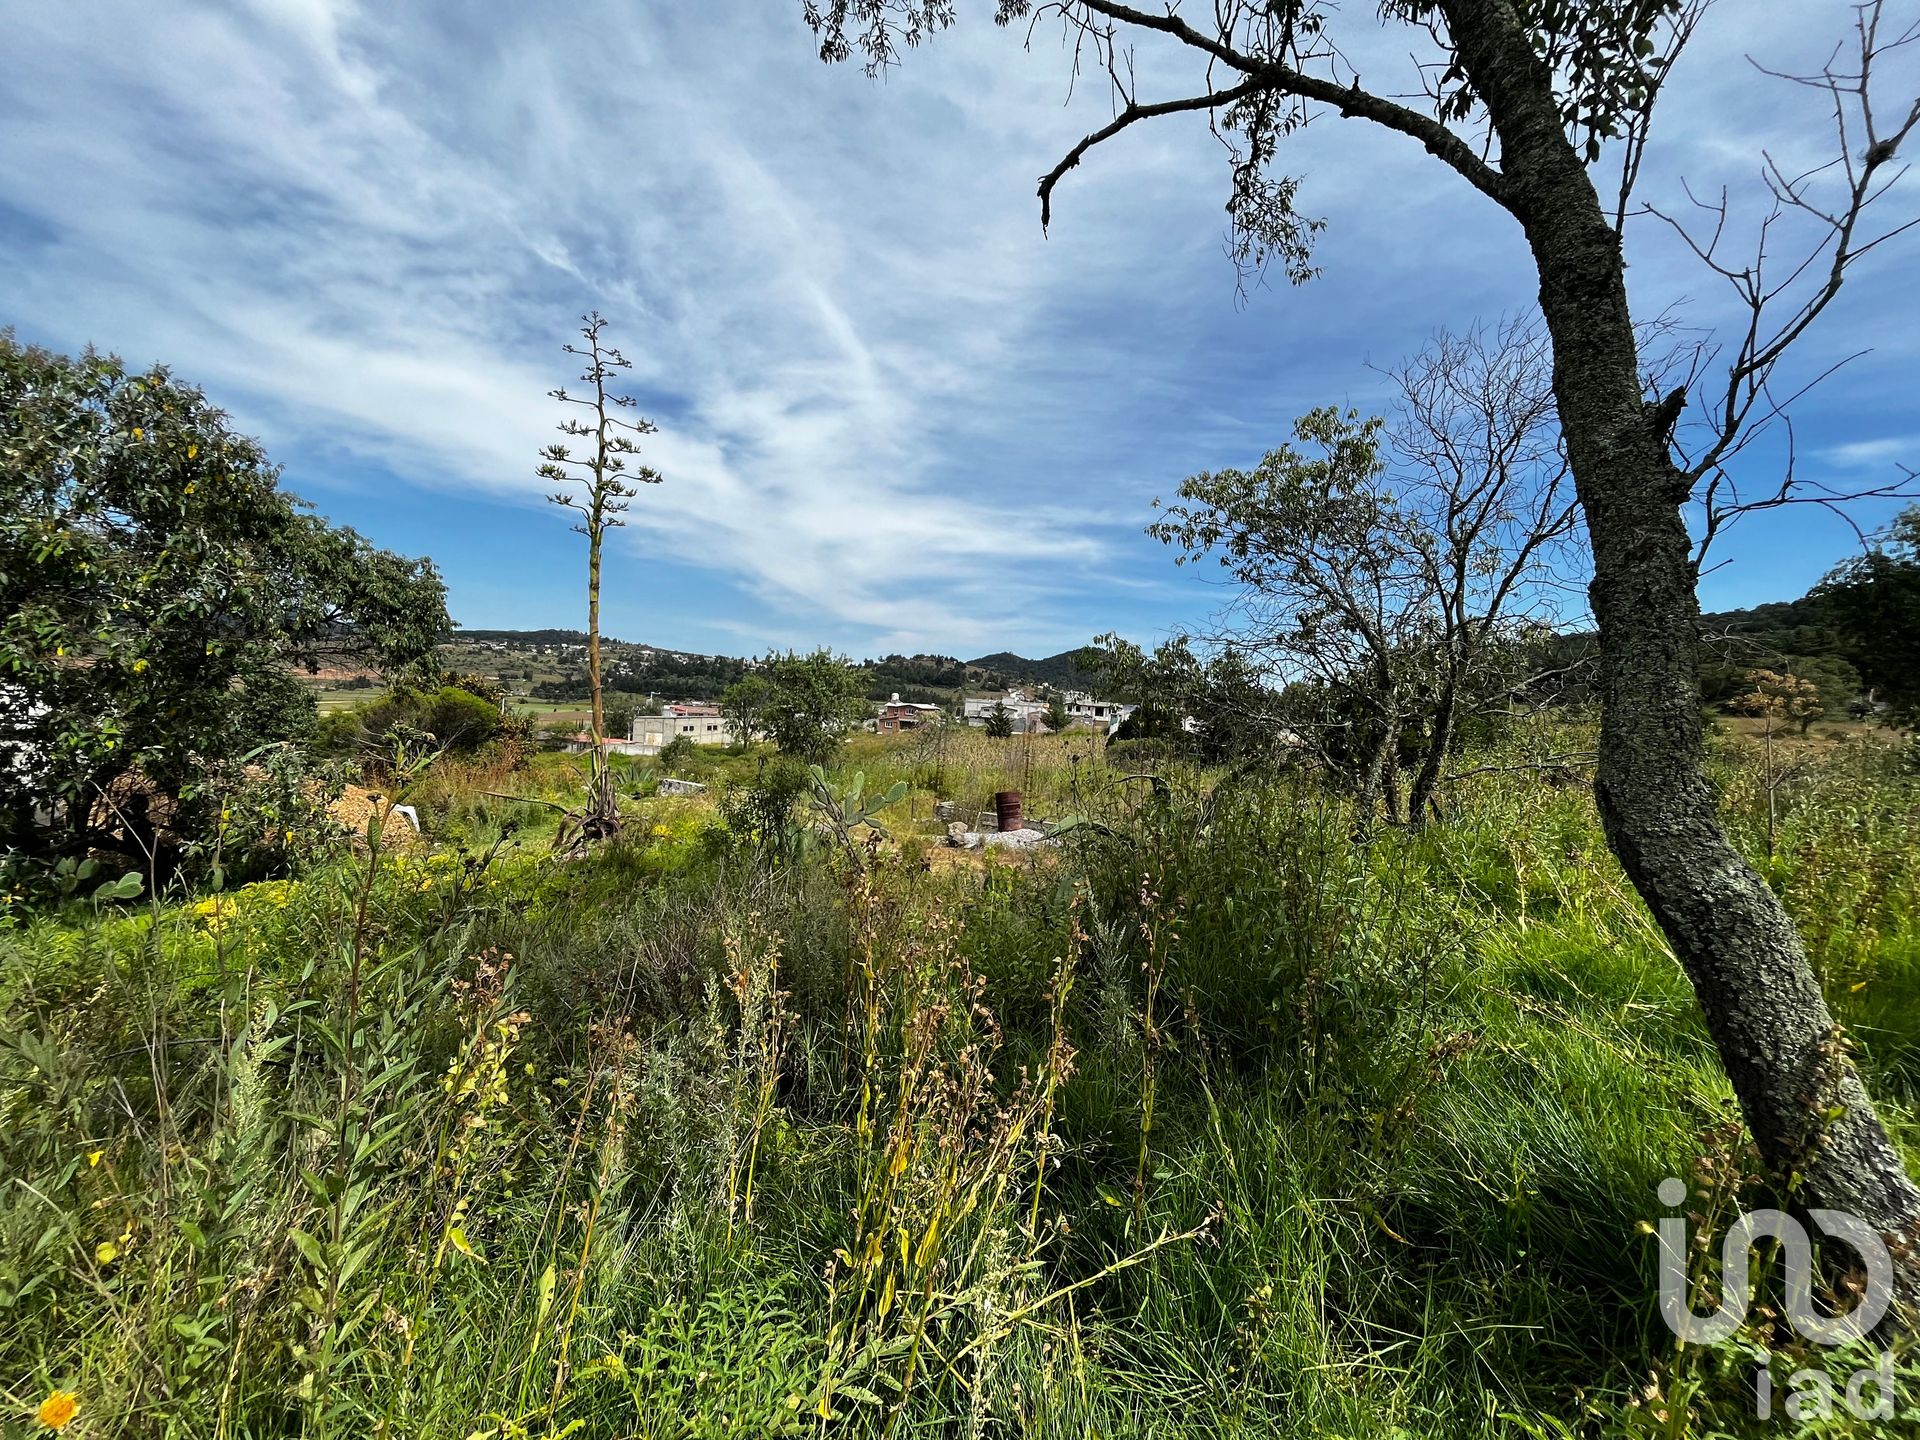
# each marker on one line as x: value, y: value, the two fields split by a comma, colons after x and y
x: 892, y: 413
x: 1884, y: 453
x: 359, y: 261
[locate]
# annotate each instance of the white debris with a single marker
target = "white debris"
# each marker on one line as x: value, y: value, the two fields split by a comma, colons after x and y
x: 998, y: 839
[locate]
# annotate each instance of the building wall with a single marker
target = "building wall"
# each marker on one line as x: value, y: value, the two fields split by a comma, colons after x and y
x: 895, y: 718
x: 1032, y: 714
x: 652, y: 732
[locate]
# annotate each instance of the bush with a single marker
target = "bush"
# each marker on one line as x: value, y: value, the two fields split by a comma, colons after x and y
x: 451, y: 719
x: 677, y: 753
x: 275, y: 819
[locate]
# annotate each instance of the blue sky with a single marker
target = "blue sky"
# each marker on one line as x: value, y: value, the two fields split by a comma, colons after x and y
x: 894, y: 415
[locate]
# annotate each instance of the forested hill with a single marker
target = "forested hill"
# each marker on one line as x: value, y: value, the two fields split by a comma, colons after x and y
x: 1796, y: 635
x: 1058, y: 671
x: 1802, y: 626
x: 550, y: 663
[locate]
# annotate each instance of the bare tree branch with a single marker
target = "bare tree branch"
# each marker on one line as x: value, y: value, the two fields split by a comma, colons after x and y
x: 1132, y: 115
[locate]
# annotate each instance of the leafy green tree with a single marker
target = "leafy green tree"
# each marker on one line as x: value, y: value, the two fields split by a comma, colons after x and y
x: 276, y: 706
x: 1336, y: 581
x: 1874, y: 600
x: 744, y: 703
x: 156, y: 586
x: 451, y: 718
x: 814, y: 701
x: 999, y: 721
x: 1218, y: 708
x: 1057, y: 717
x: 619, y: 718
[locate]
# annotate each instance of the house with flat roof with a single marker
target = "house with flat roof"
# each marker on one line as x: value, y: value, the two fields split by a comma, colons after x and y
x: 699, y: 722
x: 1029, y: 711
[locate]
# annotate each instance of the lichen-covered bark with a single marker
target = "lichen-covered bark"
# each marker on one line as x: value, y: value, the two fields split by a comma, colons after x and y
x: 1761, y: 999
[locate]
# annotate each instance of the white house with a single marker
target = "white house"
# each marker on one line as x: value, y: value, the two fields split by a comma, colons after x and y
x: 1084, y: 709
x: 701, y: 723
x: 1029, y: 711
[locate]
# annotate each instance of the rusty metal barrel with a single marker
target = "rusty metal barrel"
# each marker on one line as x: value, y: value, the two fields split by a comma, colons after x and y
x: 1006, y: 809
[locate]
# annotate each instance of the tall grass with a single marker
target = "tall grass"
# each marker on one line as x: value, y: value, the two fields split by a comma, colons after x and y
x: 1216, y: 1122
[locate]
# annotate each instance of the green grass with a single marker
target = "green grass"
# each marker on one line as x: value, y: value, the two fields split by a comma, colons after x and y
x: 688, y: 1138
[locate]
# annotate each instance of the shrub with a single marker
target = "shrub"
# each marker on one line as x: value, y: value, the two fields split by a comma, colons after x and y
x: 677, y: 753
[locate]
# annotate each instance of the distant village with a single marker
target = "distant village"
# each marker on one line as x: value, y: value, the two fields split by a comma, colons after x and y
x: 978, y: 694
x: 1025, y: 711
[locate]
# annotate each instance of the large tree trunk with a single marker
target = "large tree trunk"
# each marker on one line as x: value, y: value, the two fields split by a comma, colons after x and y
x: 1439, y: 742
x: 1377, y: 783
x: 1761, y: 999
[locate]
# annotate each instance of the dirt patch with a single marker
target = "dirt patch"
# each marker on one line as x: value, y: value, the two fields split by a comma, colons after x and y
x: 357, y: 805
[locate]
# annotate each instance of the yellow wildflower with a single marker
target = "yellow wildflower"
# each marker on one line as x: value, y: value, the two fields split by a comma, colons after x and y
x: 93, y: 1156
x: 58, y: 1409
x: 106, y: 1252
x: 140, y: 666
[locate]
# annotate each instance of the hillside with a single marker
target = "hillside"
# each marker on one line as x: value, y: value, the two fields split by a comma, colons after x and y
x: 1059, y: 671
x: 550, y: 664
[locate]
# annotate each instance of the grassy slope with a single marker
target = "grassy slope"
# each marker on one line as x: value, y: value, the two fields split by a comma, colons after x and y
x: 670, y: 1142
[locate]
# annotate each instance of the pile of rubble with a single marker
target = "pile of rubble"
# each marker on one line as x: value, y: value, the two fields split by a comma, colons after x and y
x: 961, y: 838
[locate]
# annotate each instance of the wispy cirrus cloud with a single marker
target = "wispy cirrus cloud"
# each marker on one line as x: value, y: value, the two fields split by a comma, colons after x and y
x: 1879, y: 454
x: 893, y: 414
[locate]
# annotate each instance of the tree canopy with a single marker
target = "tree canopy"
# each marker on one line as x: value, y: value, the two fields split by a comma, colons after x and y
x: 1874, y: 600
x: 814, y: 701
x: 157, y: 586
